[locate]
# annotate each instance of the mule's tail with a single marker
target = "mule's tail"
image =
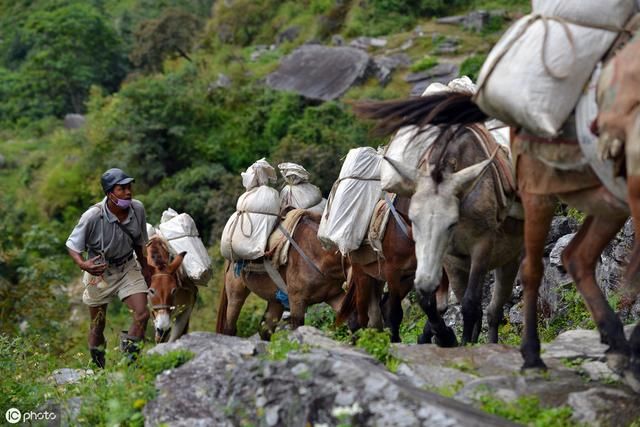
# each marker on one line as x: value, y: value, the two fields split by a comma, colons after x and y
x: 349, y: 304
x: 221, y: 323
x: 443, y: 108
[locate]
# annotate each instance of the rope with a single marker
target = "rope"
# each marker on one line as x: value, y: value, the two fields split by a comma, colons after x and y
x: 545, y: 21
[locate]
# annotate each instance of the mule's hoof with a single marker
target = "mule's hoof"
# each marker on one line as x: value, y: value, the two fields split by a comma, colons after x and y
x: 617, y: 362
x: 447, y: 339
x: 424, y: 338
x: 535, y: 365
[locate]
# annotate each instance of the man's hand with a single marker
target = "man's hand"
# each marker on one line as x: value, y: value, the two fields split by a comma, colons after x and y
x: 92, y: 268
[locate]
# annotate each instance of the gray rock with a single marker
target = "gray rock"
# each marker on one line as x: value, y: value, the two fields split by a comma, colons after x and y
x: 556, y: 253
x: 476, y: 20
x: 560, y: 226
x: 385, y: 65
x: 552, y: 389
x: 69, y: 376
x: 515, y: 315
x: 74, y: 121
x: 603, y: 406
x: 223, y: 81
x: 418, y: 31
x: 578, y: 343
x: 407, y: 44
x: 599, y: 371
x: 441, y: 73
x: 452, y: 20
x: 337, y: 40
x: 224, y: 385
x: 320, y: 72
x: 288, y: 35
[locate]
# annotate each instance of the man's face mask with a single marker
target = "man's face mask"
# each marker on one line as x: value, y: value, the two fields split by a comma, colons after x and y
x: 121, y: 203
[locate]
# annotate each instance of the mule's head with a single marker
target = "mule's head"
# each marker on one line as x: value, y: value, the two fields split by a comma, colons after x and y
x: 161, y: 295
x: 434, y: 213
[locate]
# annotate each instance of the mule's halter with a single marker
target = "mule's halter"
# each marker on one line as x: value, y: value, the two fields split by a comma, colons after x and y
x: 162, y: 306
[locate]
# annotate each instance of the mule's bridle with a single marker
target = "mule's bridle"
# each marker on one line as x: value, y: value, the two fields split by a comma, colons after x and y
x: 162, y: 306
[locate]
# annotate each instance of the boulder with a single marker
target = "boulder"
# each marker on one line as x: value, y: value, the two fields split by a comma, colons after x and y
x: 320, y: 72
x: 224, y: 384
x: 441, y: 73
x: 288, y: 35
x: 604, y: 406
x: 69, y: 376
x: 74, y: 121
x: 385, y: 65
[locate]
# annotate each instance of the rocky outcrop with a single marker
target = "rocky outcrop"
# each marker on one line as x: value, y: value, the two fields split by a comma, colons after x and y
x: 320, y: 72
x: 74, y: 121
x: 577, y: 377
x: 441, y: 73
x: 230, y: 382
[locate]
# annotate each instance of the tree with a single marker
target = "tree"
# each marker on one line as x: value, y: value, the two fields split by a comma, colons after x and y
x: 171, y: 35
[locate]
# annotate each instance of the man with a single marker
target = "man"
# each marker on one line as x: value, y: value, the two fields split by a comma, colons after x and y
x: 110, y: 232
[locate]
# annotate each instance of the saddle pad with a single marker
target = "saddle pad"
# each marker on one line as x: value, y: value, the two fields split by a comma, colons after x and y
x: 378, y: 225
x: 278, y: 244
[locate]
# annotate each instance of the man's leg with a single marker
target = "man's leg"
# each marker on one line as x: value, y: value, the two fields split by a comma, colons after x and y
x: 130, y: 341
x: 96, y: 340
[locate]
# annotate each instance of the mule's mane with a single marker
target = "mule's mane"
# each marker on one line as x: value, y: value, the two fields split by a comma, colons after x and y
x: 158, y: 251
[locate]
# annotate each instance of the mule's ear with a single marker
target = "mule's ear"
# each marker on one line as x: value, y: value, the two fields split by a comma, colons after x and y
x: 176, y: 263
x: 464, y: 177
x: 408, y: 174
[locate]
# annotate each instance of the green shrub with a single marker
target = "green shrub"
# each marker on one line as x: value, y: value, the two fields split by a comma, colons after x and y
x: 378, y: 345
x: 280, y: 345
x: 471, y: 66
x: 527, y: 410
x: 424, y: 64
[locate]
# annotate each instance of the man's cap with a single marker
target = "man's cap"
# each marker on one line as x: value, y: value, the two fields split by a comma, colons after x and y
x: 113, y: 177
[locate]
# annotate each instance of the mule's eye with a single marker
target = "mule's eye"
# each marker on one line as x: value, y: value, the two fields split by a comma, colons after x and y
x: 452, y: 225
x: 173, y: 291
x: 151, y: 291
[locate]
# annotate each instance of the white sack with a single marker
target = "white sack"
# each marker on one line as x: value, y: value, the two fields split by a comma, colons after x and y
x: 346, y: 217
x: 297, y: 192
x: 408, y: 149
x: 259, y: 173
x: 516, y: 88
x: 319, y: 208
x: 182, y: 235
x: 586, y: 112
x: 612, y: 13
x: 247, y: 231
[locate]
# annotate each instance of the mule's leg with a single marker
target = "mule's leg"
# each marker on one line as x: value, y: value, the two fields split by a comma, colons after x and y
x: 538, y: 213
x: 237, y: 294
x: 297, y: 308
x: 272, y: 314
x: 502, y: 290
x: 443, y: 335
x: 442, y: 294
x: 472, y: 300
x: 632, y: 375
x: 393, y: 303
x: 580, y: 259
x: 632, y: 274
x: 374, y: 311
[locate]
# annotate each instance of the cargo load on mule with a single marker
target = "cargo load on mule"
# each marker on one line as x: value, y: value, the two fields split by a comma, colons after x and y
x: 409, y: 145
x: 181, y: 233
x: 345, y: 220
x: 247, y: 231
x: 298, y: 192
x: 534, y: 75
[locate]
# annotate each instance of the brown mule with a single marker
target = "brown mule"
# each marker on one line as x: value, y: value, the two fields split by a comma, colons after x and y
x: 397, y: 267
x: 170, y: 298
x: 306, y: 285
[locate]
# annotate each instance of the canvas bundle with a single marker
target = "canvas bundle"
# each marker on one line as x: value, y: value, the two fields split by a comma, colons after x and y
x: 297, y: 192
x: 346, y: 217
x: 247, y: 231
x: 534, y: 75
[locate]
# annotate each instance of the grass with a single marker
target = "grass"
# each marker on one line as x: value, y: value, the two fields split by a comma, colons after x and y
x: 377, y: 344
x: 573, y: 314
x: 527, y: 410
x: 424, y: 64
x: 280, y: 345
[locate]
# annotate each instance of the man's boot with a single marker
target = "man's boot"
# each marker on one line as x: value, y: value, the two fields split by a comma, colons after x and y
x: 130, y: 346
x: 98, y: 356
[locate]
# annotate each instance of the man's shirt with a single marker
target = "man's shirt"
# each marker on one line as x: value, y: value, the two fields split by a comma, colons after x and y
x: 98, y: 231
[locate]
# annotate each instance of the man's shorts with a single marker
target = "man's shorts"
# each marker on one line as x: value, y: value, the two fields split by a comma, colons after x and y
x: 124, y: 281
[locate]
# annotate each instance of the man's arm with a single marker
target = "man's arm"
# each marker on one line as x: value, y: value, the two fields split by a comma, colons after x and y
x: 146, y: 271
x: 89, y: 265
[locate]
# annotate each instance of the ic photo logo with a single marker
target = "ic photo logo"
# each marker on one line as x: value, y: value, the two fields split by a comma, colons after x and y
x: 13, y: 415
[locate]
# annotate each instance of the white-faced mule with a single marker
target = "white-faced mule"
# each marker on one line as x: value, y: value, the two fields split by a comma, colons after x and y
x: 171, y: 299
x: 463, y: 218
